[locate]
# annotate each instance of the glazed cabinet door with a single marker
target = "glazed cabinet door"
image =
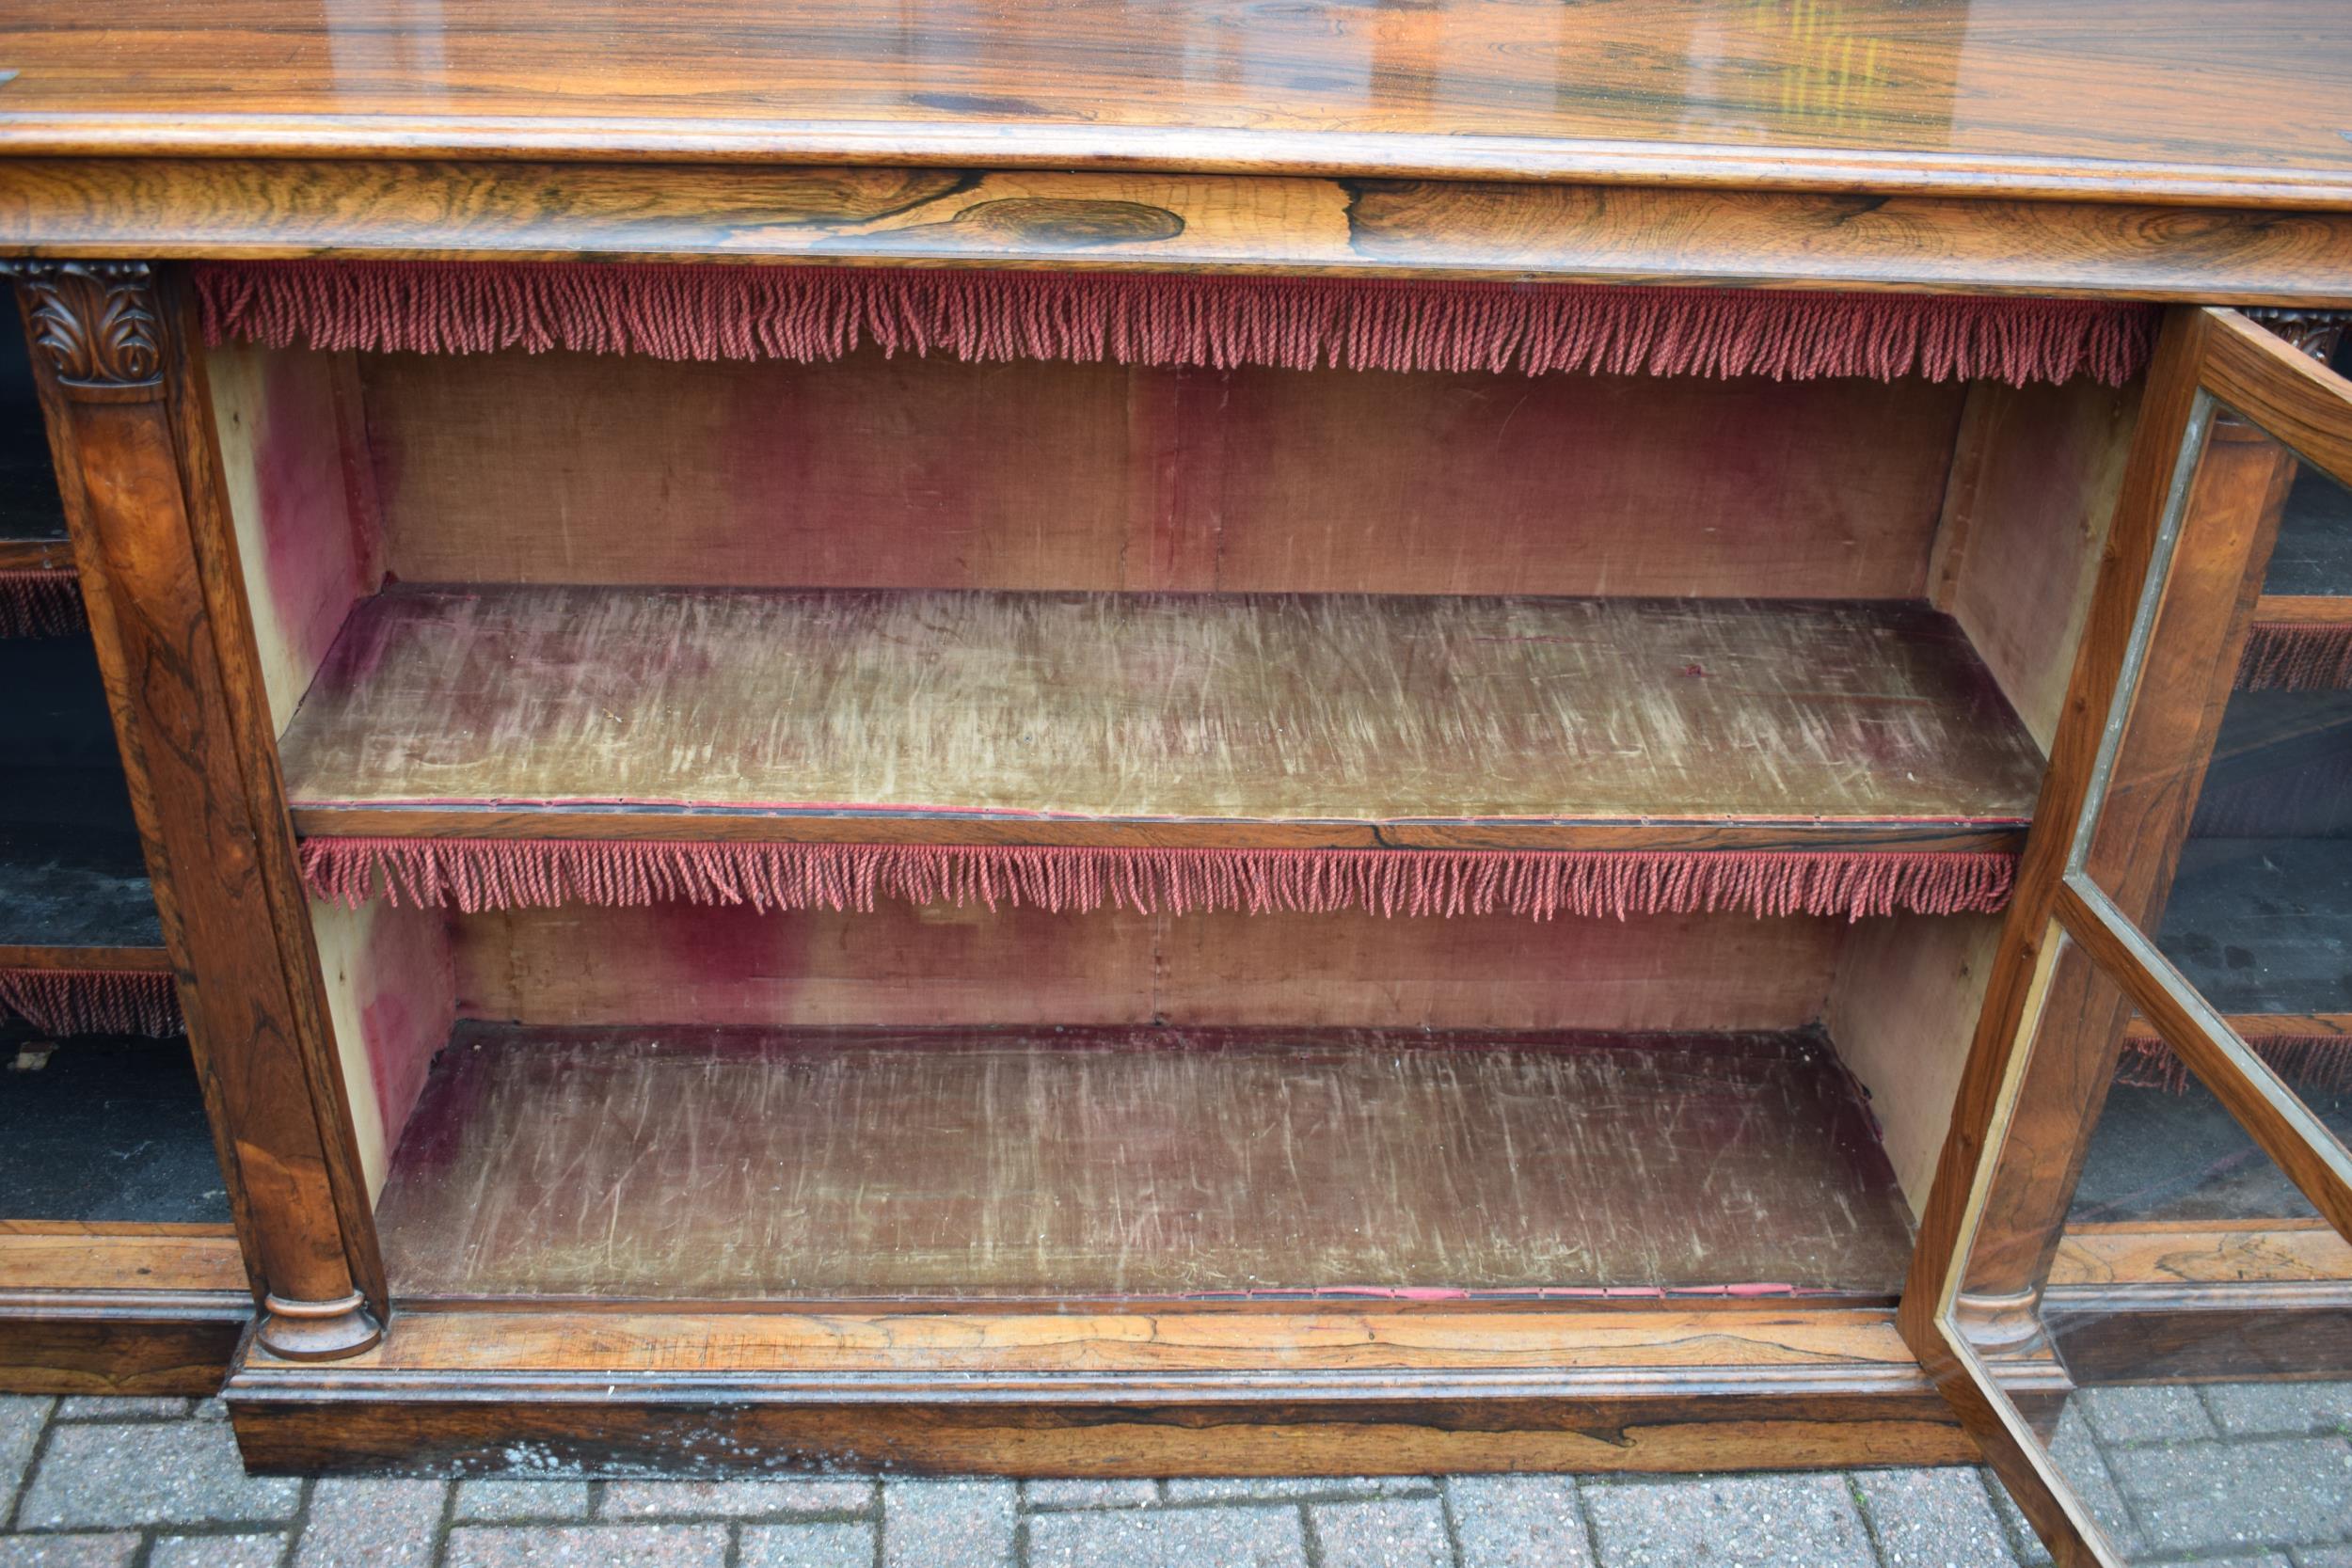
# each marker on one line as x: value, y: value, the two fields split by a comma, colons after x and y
x: 2134, y: 1279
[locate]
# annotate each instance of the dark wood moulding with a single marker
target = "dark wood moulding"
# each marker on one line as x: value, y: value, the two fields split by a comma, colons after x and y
x: 1333, y: 1391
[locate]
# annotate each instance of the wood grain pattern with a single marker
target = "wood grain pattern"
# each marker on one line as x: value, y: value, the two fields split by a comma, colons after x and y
x: 2189, y: 1252
x: 1397, y: 1391
x: 184, y: 208
x: 921, y: 965
x: 63, y: 1254
x: 36, y: 555
x: 1234, y: 709
x: 931, y: 473
x: 118, y: 1309
x: 696, y: 1165
x: 2033, y: 97
x: 1004, y: 1344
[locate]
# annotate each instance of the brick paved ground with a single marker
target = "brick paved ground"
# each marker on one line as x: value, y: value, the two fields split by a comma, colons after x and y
x: 155, y: 1483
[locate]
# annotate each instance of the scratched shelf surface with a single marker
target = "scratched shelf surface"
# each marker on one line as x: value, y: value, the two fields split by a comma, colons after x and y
x: 1875, y: 716
x: 693, y: 1162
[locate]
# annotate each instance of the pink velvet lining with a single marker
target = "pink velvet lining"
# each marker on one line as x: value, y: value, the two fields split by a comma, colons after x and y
x: 2290, y: 656
x: 41, y: 602
x: 486, y: 874
x: 93, y: 1002
x: 816, y: 313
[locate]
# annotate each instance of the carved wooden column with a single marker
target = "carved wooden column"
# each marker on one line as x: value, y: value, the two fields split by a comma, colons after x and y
x: 130, y: 428
x: 2236, y: 497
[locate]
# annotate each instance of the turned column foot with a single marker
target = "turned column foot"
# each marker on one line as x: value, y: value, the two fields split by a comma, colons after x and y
x: 317, y: 1330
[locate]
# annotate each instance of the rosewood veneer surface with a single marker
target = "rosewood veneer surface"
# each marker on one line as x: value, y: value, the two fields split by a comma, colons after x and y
x: 690, y: 1162
x: 2130, y: 97
x: 1233, y: 707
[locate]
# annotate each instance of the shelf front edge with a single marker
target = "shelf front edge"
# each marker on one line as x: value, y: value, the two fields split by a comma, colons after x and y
x: 181, y: 207
x: 1107, y: 1395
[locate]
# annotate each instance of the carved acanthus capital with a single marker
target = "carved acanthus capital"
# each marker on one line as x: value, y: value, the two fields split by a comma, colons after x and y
x: 97, y: 323
x: 2315, y: 332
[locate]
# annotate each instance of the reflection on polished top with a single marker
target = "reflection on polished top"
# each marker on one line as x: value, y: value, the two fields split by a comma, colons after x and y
x: 2149, y: 99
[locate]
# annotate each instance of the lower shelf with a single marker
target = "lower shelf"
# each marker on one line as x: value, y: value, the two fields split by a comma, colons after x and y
x: 693, y: 1163
x: 1323, y: 1391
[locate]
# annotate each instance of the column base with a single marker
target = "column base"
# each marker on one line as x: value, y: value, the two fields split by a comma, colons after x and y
x: 317, y: 1330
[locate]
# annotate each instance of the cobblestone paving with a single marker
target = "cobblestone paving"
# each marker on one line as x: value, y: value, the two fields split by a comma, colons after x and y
x: 155, y: 1483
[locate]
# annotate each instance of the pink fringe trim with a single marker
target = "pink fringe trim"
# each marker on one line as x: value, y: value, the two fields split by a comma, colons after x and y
x: 815, y: 313
x: 93, y: 1002
x: 2318, y: 1063
x: 486, y: 874
x: 40, y: 603
x: 2292, y: 656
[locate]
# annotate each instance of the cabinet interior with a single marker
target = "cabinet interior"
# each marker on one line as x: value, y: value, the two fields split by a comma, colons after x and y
x: 934, y: 602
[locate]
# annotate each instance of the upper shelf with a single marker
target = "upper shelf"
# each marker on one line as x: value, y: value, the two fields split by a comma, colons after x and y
x: 2144, y: 99
x: 1157, y: 719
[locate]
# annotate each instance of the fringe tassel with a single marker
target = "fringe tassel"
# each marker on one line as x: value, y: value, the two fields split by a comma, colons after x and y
x: 93, y: 1002
x: 815, y: 313
x: 2290, y: 656
x: 40, y: 603
x: 486, y: 874
x: 2318, y: 1064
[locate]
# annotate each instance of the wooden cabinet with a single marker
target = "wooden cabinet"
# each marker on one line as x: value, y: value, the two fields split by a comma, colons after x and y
x: 1050, y: 761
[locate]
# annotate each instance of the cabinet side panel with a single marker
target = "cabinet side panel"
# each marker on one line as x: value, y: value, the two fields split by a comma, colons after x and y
x: 304, y: 533
x: 903, y: 965
x: 391, y: 999
x: 1901, y: 1014
x: 2033, y: 490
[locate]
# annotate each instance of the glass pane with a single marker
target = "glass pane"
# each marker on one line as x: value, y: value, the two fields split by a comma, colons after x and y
x: 2185, y: 1357
x: 2252, y: 814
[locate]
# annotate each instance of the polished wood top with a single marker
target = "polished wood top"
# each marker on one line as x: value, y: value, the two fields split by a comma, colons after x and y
x: 2166, y: 101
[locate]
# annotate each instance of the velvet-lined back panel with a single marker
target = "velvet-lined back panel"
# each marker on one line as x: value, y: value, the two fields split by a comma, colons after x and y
x: 907, y: 473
